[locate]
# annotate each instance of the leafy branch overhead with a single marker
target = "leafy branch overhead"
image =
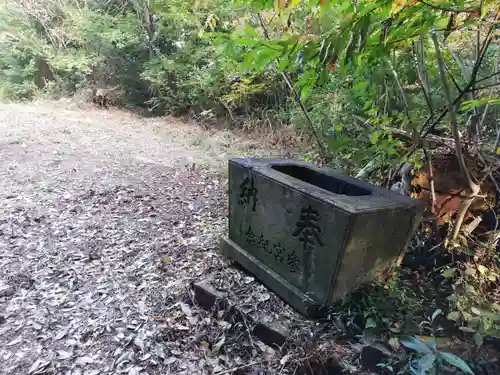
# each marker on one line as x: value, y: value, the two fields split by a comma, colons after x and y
x: 348, y: 33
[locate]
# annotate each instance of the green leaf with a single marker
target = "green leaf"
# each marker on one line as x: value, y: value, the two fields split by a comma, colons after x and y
x: 250, y: 31
x: 470, y: 104
x: 475, y: 310
x: 374, y: 137
x: 283, y: 64
x: 454, y: 315
x: 453, y: 360
x: 435, y: 314
x: 449, y: 273
x: 482, y: 269
x: 470, y: 272
x: 370, y: 323
x: 478, y: 339
x: 426, y: 362
x: 306, y: 83
x: 305, y: 91
x: 247, y: 41
x: 415, y: 344
x: 470, y: 289
x: 360, y: 87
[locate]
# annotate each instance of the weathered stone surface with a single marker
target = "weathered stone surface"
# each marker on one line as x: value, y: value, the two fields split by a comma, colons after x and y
x: 267, y: 276
x: 236, y: 315
x: 271, y: 333
x: 310, y: 234
x: 317, y: 366
x: 207, y: 296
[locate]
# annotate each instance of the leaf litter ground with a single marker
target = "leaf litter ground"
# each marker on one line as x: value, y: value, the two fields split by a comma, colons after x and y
x: 105, y: 220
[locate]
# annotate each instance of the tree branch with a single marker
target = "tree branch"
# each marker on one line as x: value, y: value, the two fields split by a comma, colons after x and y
x: 398, y: 83
x: 431, y: 180
x: 484, y: 87
x: 473, y: 187
x: 451, y: 10
x: 422, y: 79
x: 497, y: 79
x: 323, y: 152
x: 452, y: 114
x: 466, y: 89
x: 488, y: 77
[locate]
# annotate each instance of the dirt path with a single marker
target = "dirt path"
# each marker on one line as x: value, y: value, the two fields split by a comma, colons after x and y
x: 103, y: 223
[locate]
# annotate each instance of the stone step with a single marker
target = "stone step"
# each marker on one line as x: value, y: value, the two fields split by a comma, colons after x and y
x: 273, y: 333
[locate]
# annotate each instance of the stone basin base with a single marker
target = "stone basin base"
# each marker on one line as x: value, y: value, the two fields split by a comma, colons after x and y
x: 289, y: 293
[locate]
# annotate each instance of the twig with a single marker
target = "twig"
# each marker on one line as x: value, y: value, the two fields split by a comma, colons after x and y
x: 296, y: 95
x: 232, y: 370
x: 455, y: 83
x: 400, y: 87
x: 451, y: 10
x: 497, y: 79
x: 497, y: 141
x: 248, y: 331
x: 492, y: 91
x: 420, y: 74
x: 489, y: 171
x: 389, y: 178
x: 484, y: 87
x: 465, y: 90
x: 473, y: 187
x: 488, y: 77
x: 385, y: 96
x: 431, y: 179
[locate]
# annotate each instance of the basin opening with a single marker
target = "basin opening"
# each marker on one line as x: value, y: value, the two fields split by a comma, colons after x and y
x: 321, y: 180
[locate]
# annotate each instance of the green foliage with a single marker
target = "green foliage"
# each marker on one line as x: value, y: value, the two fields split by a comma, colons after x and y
x: 162, y: 55
x: 365, y: 52
x: 470, y: 306
x: 428, y: 359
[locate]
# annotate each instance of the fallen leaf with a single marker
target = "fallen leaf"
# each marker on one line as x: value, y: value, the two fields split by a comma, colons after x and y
x: 62, y: 354
x: 186, y: 309
x: 139, y: 343
x: 142, y: 307
x: 38, y: 365
x: 169, y: 361
x: 264, y: 297
x: 219, y: 344
x: 61, y: 334
x: 135, y: 370
x: 285, y: 359
x: 125, y: 357
x: 16, y: 341
x: 394, y: 343
x: 85, y: 360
